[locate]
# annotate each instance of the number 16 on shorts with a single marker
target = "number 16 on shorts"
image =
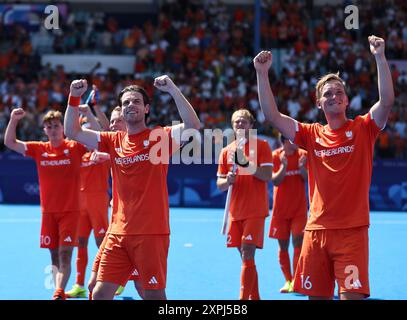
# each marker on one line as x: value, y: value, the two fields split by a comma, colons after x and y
x: 305, y: 282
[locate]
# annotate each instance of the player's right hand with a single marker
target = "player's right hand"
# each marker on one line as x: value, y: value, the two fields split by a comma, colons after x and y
x: 262, y: 62
x: 17, y: 114
x: 78, y: 87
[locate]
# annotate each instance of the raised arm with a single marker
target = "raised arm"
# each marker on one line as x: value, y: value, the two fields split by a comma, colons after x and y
x: 381, y: 108
x: 10, y: 139
x: 286, y: 125
x: 72, y: 127
x: 185, y: 110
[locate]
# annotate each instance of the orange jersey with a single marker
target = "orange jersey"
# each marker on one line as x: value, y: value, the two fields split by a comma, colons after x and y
x: 58, y: 174
x: 94, y: 176
x: 250, y: 195
x: 289, y: 198
x: 340, y: 169
x: 141, y: 186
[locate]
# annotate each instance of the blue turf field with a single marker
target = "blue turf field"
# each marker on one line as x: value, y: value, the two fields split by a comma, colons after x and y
x: 199, y: 265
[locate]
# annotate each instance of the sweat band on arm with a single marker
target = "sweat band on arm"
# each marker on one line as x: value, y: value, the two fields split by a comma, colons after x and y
x: 74, y: 101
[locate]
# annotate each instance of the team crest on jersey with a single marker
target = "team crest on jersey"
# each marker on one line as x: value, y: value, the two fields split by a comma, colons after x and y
x: 146, y: 143
x: 349, y: 134
x: 45, y: 155
x: 66, y: 152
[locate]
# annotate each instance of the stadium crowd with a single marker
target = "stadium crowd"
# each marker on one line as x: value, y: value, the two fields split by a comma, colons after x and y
x: 208, y: 48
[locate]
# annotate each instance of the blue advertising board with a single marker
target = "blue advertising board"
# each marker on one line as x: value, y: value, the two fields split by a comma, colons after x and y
x: 195, y: 185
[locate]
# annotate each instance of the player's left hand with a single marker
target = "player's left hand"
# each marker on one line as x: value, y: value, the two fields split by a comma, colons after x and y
x: 164, y: 83
x: 376, y: 45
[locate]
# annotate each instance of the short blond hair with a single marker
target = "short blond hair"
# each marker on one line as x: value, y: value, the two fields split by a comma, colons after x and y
x: 52, y: 115
x: 325, y: 79
x: 117, y: 109
x: 243, y: 113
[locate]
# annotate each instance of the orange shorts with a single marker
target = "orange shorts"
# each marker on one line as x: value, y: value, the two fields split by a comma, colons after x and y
x: 282, y: 228
x: 59, y: 229
x: 123, y: 253
x: 95, y: 267
x: 250, y: 231
x: 329, y: 255
x: 94, y: 214
x: 135, y: 276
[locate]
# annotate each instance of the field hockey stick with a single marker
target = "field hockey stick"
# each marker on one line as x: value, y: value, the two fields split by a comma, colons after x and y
x: 229, y: 195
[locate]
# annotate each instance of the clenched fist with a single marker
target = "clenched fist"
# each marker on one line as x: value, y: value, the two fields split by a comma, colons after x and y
x: 376, y: 45
x: 17, y: 114
x: 262, y: 62
x: 78, y: 87
x: 164, y: 83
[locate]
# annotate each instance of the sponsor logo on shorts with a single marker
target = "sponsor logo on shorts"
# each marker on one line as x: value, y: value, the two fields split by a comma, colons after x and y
x: 135, y: 273
x: 68, y: 239
x: 153, y: 280
x: 101, y: 231
x: 248, y: 237
x: 356, y: 285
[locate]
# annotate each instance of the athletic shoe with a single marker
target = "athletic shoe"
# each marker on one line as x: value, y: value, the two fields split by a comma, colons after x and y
x: 119, y: 291
x: 291, y: 289
x: 59, y: 294
x: 77, y: 291
x: 286, y: 288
